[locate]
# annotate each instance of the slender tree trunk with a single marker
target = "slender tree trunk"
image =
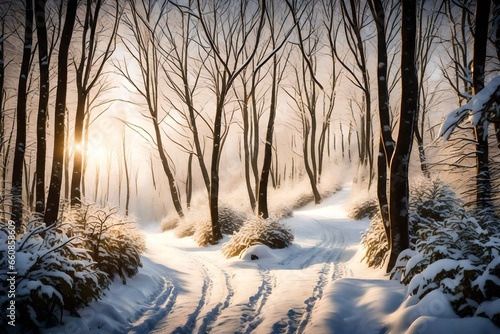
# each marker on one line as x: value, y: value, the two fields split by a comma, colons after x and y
x: 256, y: 135
x: 189, y: 181
x: 127, y: 177
x: 246, y: 148
x: 309, y: 172
x: 386, y: 143
x: 483, y: 179
x: 263, y: 209
x: 214, y: 170
x: 54, y: 196
x: 85, y: 146
x: 399, y: 189
x: 76, y: 177
x: 66, y: 160
x: 20, y: 148
x: 196, y: 137
x: 43, y: 103
x: 421, y: 153
x: 168, y: 171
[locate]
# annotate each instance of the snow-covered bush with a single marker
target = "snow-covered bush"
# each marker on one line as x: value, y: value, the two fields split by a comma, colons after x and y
x: 198, y: 224
x: 375, y: 243
x: 451, y: 252
x: 460, y: 258
x: 53, y: 275
x: 186, y: 228
x: 367, y: 207
x: 431, y: 201
x: 270, y: 232
x: 114, y: 241
x: 169, y: 223
x: 203, y: 235
x: 230, y: 219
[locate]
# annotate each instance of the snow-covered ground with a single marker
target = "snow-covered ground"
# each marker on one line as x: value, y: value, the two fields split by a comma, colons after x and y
x: 318, y: 285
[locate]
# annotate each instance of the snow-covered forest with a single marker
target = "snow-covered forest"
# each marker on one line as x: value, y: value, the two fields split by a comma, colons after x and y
x: 250, y: 166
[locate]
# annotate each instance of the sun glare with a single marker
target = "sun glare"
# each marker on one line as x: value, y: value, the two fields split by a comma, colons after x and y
x: 95, y: 152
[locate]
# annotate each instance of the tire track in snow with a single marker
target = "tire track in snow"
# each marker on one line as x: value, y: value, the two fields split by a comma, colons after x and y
x: 251, y: 317
x: 212, y: 276
x: 158, y: 309
x: 190, y: 324
x: 329, y: 252
x: 211, y: 317
x: 312, y: 253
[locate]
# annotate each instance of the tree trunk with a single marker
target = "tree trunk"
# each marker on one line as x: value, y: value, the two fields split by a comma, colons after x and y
x: 399, y: 189
x: 421, y: 153
x: 54, y: 196
x: 386, y: 143
x: 168, y: 171
x: 189, y: 181
x: 76, y: 177
x: 263, y: 209
x: 20, y: 148
x: 127, y: 177
x: 43, y: 102
x: 309, y: 172
x: 483, y: 179
x: 214, y: 171
x: 246, y: 147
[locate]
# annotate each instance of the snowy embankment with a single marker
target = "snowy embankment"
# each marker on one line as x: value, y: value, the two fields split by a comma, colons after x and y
x: 318, y: 285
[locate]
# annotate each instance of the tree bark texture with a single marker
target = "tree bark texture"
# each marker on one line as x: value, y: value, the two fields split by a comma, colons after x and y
x: 54, y: 196
x: 399, y: 188
x: 20, y: 148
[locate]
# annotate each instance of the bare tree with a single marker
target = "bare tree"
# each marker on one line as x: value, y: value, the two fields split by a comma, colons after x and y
x: 54, y: 196
x: 20, y: 146
x: 226, y: 47
x: 277, y: 72
x: 386, y: 142
x: 43, y: 103
x: 428, y: 23
x: 354, y: 22
x: 399, y: 188
x: 89, y: 72
x: 182, y: 73
x: 144, y: 25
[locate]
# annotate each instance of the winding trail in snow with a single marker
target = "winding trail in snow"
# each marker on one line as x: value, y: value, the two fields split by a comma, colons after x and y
x: 278, y: 295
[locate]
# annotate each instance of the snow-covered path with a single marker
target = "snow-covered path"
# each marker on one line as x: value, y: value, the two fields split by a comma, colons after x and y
x: 274, y: 294
x: 318, y: 285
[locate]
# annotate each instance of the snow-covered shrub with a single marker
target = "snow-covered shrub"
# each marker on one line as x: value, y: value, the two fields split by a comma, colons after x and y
x: 433, y: 200
x: 375, y: 243
x: 230, y: 219
x: 114, y: 241
x: 53, y: 275
x: 198, y: 224
x: 203, y: 235
x: 452, y: 252
x: 169, y: 223
x: 270, y: 232
x: 459, y: 258
x: 360, y: 209
x: 186, y: 228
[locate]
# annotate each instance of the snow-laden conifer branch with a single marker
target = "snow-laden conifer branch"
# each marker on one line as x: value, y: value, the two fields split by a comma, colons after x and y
x: 486, y: 101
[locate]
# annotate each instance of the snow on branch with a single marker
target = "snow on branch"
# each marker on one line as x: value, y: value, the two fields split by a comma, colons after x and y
x: 476, y: 107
